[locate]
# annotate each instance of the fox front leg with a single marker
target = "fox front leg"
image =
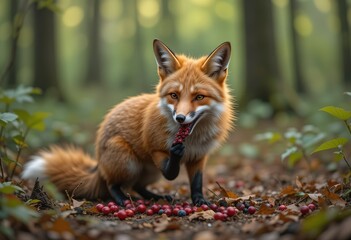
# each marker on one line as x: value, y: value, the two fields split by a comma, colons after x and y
x: 171, y: 165
x: 195, y: 170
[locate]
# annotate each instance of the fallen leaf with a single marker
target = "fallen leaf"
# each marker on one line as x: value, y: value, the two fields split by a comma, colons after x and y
x: 76, y: 203
x: 227, y: 193
x: 204, y: 215
x: 333, y: 197
x: 265, y: 210
x: 314, y: 196
x: 164, y: 223
x: 287, y: 191
x: 298, y: 182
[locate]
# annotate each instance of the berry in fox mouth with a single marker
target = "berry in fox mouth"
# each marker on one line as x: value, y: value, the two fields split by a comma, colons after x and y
x: 182, y: 133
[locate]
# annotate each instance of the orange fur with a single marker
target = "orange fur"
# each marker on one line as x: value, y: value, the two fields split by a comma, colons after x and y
x: 135, y: 136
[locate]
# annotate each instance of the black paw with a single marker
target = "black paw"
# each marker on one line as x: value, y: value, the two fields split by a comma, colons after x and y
x: 199, y: 200
x: 177, y: 151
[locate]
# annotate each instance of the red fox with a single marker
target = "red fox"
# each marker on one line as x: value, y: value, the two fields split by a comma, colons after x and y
x: 145, y: 136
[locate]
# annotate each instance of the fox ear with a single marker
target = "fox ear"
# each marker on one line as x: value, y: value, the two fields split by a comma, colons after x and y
x: 166, y: 59
x: 216, y: 64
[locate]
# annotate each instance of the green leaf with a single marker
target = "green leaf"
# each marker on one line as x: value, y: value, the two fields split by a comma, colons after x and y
x: 37, y: 121
x: 271, y: 137
x: 331, y: 144
x: 19, y: 140
x: 7, y: 117
x: 9, y: 188
x: 337, y: 112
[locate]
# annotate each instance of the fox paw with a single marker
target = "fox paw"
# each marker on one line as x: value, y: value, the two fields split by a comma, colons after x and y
x: 177, y: 151
x: 200, y: 200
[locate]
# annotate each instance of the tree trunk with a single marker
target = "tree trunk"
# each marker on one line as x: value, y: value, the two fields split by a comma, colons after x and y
x: 45, y: 55
x: 261, y: 69
x: 295, y: 54
x: 13, y: 71
x: 94, y: 57
x: 345, y: 44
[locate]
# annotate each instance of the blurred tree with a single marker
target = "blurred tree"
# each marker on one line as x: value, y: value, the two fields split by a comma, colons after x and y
x: 45, y: 54
x: 94, y: 56
x: 345, y: 40
x: 295, y: 54
x: 167, y: 25
x: 261, y: 67
x: 13, y: 71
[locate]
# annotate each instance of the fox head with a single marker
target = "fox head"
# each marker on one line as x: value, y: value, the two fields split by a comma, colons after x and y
x: 191, y: 89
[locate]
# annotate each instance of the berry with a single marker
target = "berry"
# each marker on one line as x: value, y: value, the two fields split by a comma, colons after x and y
x: 175, y: 211
x: 140, y: 201
x: 251, y: 210
x: 99, y: 206
x: 304, y: 210
x: 219, y: 216
x: 204, y: 207
x: 181, y: 213
x: 311, y: 206
x: 149, y: 212
x: 168, y: 212
x: 105, y: 210
x: 161, y: 211
x: 128, y: 206
x: 155, y: 208
x: 127, y: 201
x: 282, y: 207
x: 188, y: 210
x: 246, y: 210
x: 247, y: 204
x: 195, y: 209
x: 121, y: 214
x: 110, y: 204
x: 141, y: 208
x: 166, y: 206
x: 114, y: 208
x: 221, y: 209
x: 231, y: 211
x: 214, y: 207
x: 130, y: 212
x: 240, y: 206
x: 185, y: 204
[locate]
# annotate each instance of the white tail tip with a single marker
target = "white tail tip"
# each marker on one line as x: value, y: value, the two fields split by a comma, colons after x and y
x: 34, y: 169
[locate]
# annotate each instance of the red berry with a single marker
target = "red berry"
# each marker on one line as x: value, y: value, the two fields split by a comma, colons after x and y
x: 130, y: 212
x: 251, y: 209
x: 149, y: 212
x: 185, y: 204
x: 168, y: 212
x: 240, y: 206
x: 128, y: 206
x: 175, y: 211
x: 105, y: 210
x: 195, y: 209
x: 140, y: 201
x: 311, y: 206
x: 231, y: 211
x: 218, y: 216
x: 121, y: 214
x: 304, y: 210
x: 188, y: 210
x: 114, y: 208
x: 99, y: 206
x: 214, y: 207
x: 141, y: 208
x: 111, y: 204
x: 127, y: 201
x: 204, y: 207
x: 282, y: 207
x: 166, y: 206
x: 155, y: 207
x: 221, y: 209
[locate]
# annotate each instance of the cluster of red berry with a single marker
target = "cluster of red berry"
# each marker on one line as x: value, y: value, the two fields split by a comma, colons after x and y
x: 182, y: 133
x: 305, y: 209
x: 145, y: 207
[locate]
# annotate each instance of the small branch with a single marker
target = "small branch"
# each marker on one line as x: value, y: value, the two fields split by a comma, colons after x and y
x: 348, y: 126
x: 344, y: 157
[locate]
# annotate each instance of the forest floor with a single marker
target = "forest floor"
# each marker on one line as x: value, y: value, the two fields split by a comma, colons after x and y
x: 230, y: 180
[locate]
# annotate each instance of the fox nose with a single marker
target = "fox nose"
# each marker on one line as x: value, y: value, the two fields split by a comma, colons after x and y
x: 180, y: 118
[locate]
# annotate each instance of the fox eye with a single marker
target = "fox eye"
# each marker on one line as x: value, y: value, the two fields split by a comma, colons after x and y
x: 199, y: 97
x: 174, y: 95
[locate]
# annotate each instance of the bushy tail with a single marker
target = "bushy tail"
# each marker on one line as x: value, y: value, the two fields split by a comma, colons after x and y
x: 69, y: 169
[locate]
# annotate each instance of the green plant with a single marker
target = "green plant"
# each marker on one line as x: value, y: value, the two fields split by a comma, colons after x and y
x: 337, y: 143
x: 15, y: 124
x: 297, y: 143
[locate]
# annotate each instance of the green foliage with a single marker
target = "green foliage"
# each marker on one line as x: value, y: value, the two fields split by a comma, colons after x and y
x: 337, y: 112
x: 12, y: 207
x: 297, y: 143
x: 15, y: 124
x: 331, y: 144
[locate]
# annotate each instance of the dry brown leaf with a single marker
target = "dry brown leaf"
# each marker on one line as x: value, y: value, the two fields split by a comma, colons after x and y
x: 76, y: 203
x: 314, y: 196
x: 333, y: 197
x: 204, y: 215
x: 298, y: 182
x: 227, y: 193
x: 164, y: 223
x: 287, y: 191
x: 265, y: 210
x: 60, y: 225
